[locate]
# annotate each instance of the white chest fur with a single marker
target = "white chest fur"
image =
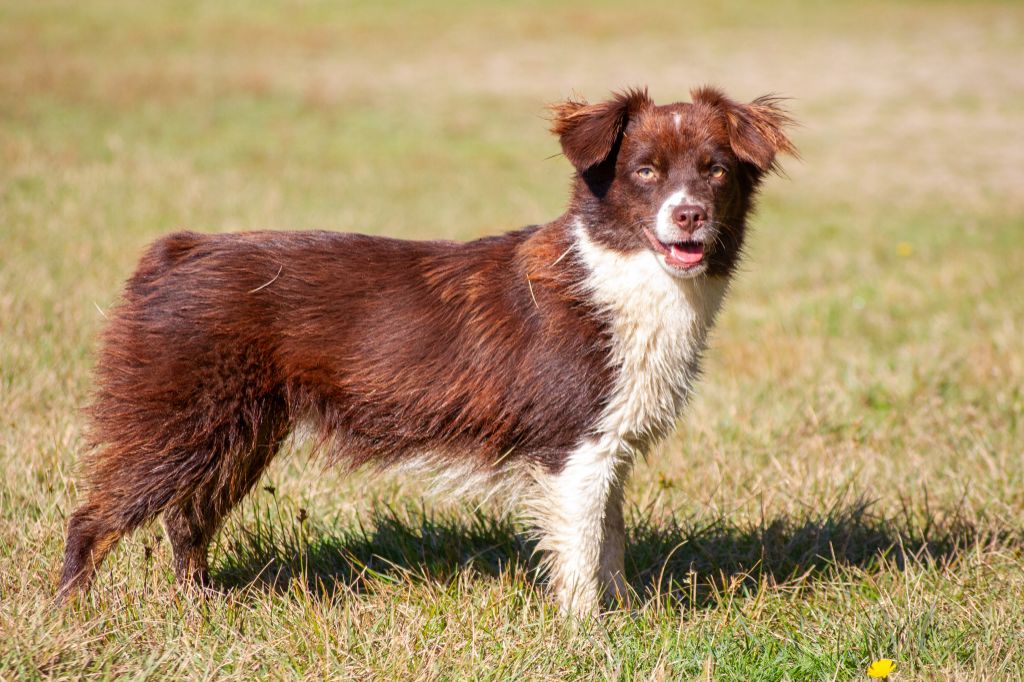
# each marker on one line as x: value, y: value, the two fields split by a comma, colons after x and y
x: 659, y: 327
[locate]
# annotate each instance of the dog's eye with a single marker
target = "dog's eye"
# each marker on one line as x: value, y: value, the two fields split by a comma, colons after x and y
x: 645, y: 173
x: 717, y: 172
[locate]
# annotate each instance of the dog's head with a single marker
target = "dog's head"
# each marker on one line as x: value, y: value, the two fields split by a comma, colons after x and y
x: 678, y: 179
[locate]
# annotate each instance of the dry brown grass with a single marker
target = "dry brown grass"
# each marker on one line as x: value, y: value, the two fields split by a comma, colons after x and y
x: 848, y: 484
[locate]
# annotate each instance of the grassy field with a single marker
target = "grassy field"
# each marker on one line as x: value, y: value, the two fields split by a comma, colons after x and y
x: 848, y: 484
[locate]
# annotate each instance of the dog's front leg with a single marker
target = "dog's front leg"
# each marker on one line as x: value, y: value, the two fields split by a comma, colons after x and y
x: 612, y: 571
x: 579, y: 511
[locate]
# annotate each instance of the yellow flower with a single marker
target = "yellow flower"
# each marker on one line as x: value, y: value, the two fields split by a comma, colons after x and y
x: 904, y: 249
x: 881, y: 668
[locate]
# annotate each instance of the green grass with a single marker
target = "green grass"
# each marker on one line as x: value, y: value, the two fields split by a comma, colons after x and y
x: 848, y: 484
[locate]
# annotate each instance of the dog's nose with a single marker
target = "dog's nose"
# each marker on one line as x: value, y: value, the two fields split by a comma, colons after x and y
x: 689, y: 217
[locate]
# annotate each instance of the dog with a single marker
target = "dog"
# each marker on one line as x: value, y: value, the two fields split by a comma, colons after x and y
x: 543, y: 362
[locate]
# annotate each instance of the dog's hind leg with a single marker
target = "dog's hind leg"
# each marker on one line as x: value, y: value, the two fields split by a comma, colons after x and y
x: 91, y: 536
x: 198, y: 475
x: 95, y: 527
x: 192, y: 522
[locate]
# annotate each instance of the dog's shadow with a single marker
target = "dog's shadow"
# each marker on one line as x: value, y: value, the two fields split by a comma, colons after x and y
x: 688, y: 559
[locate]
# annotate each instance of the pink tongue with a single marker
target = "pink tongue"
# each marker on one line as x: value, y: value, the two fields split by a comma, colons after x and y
x: 686, y: 255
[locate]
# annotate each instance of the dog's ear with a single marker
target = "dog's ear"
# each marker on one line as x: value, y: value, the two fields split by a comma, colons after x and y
x: 588, y: 132
x: 756, y: 131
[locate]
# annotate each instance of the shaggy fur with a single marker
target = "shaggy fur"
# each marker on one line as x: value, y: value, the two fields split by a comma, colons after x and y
x: 542, y: 361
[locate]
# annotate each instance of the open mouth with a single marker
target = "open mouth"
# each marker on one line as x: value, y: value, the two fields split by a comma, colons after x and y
x: 683, y: 255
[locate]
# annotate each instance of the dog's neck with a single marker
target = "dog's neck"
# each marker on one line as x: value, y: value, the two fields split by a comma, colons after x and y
x: 658, y: 326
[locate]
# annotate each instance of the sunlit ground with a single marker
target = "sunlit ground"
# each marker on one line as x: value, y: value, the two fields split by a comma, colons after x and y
x: 848, y: 484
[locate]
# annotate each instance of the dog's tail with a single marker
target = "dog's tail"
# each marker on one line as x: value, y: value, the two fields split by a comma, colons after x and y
x: 164, y: 255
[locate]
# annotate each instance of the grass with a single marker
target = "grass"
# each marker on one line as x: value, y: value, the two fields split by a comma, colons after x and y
x: 848, y: 484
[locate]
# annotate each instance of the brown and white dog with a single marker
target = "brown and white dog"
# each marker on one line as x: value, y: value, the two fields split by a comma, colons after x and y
x: 540, y: 362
